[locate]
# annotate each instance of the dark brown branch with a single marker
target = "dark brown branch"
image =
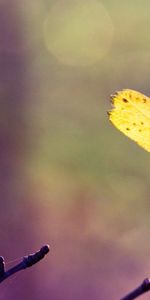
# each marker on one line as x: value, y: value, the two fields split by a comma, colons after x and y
x: 140, y: 290
x: 27, y: 262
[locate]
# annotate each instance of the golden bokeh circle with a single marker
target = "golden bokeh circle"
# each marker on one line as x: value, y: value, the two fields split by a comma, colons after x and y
x: 78, y: 32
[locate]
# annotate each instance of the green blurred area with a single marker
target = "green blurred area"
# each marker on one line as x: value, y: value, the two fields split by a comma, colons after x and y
x: 83, y: 184
x: 70, y: 103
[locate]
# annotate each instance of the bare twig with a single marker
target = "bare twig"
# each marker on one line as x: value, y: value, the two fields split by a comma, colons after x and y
x: 140, y: 290
x: 27, y: 262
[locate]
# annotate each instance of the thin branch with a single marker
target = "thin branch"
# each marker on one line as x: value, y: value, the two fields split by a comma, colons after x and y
x: 140, y: 290
x: 26, y: 262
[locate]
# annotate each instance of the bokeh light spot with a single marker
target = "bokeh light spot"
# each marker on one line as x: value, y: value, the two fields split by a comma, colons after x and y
x: 78, y: 32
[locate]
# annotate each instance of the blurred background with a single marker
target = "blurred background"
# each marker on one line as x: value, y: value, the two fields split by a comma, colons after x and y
x: 67, y: 176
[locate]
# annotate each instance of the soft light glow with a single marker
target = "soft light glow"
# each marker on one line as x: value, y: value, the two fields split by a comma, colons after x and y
x: 78, y: 32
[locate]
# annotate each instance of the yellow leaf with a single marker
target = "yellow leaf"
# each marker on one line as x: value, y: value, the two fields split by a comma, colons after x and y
x: 131, y: 115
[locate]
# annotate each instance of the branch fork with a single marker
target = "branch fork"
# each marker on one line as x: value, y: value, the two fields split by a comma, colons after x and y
x: 26, y: 262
